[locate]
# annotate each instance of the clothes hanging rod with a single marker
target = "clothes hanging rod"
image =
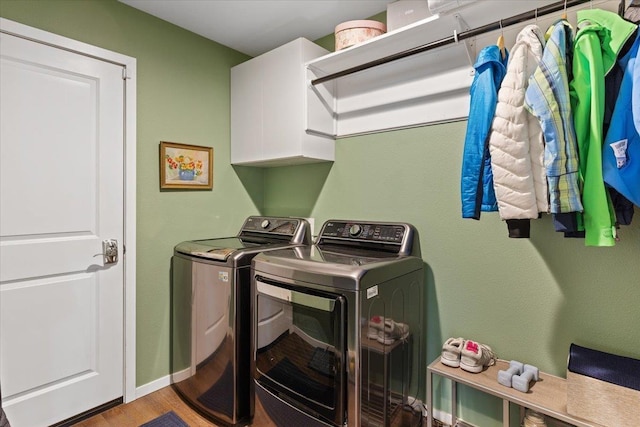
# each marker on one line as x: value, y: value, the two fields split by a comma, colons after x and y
x: 517, y: 19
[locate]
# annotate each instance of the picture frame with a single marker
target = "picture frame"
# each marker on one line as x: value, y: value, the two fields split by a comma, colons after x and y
x: 184, y: 166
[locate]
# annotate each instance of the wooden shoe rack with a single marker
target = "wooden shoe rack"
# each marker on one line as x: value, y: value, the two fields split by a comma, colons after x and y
x: 547, y: 396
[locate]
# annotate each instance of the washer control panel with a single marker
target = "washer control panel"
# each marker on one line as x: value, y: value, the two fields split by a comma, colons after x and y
x: 271, y: 225
x: 364, y: 231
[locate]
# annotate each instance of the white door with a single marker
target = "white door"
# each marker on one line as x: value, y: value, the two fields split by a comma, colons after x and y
x: 61, y: 190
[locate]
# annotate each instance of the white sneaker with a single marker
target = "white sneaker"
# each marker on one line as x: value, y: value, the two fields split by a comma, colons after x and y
x: 393, y: 331
x: 386, y: 331
x: 451, y: 352
x: 376, y: 324
x: 474, y: 356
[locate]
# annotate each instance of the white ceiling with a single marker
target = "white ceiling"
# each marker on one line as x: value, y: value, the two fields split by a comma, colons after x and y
x: 257, y: 26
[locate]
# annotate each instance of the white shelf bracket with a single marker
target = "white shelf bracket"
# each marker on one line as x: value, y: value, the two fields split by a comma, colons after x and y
x: 469, y: 44
x: 327, y: 106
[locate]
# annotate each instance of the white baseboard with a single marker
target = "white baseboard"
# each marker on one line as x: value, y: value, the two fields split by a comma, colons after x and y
x: 155, y: 385
x: 443, y: 417
x: 183, y: 375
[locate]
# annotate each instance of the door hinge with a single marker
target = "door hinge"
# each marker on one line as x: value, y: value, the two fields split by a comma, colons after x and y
x: 125, y: 74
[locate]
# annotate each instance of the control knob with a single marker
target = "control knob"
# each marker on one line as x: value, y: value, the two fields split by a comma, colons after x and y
x: 265, y: 223
x: 355, y: 230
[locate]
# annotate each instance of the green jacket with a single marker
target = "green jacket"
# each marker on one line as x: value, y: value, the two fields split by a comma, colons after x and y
x: 601, y: 35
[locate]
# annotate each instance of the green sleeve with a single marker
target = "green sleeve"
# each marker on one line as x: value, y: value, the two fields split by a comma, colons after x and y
x: 587, y: 101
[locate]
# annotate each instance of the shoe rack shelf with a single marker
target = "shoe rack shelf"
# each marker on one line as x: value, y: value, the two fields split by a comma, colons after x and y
x: 547, y: 396
x: 378, y: 347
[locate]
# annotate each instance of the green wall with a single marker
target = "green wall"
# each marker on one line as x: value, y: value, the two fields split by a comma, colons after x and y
x: 183, y: 96
x: 527, y: 298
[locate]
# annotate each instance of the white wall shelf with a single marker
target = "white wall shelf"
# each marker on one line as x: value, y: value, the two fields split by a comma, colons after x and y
x: 427, y: 88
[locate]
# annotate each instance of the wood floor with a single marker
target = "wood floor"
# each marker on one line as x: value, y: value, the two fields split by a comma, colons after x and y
x: 155, y: 404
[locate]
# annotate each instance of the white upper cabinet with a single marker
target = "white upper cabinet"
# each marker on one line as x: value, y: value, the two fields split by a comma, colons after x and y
x: 269, y: 109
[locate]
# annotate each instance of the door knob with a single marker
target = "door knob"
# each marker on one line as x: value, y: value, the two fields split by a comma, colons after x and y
x: 110, y: 251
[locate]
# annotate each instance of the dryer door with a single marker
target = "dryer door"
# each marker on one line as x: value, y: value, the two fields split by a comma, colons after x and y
x: 304, y: 363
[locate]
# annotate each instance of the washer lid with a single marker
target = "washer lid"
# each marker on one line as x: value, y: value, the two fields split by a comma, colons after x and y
x: 258, y: 233
x: 216, y: 249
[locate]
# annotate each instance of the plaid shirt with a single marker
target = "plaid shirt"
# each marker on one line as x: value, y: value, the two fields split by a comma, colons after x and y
x: 547, y: 98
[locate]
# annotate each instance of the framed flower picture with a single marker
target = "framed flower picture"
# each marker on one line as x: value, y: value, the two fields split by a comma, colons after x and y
x: 185, y: 166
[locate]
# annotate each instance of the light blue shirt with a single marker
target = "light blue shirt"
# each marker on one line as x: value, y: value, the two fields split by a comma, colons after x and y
x: 547, y: 98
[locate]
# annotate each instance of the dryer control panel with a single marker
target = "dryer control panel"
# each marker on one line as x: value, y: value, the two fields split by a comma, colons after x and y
x: 390, y: 237
x: 365, y: 231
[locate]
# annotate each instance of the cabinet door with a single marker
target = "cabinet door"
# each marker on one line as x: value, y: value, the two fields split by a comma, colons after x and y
x: 246, y: 111
x: 268, y: 109
x: 282, y: 101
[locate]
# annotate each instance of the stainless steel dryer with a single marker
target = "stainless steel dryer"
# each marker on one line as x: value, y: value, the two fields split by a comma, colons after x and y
x: 338, y: 328
x: 211, y: 315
